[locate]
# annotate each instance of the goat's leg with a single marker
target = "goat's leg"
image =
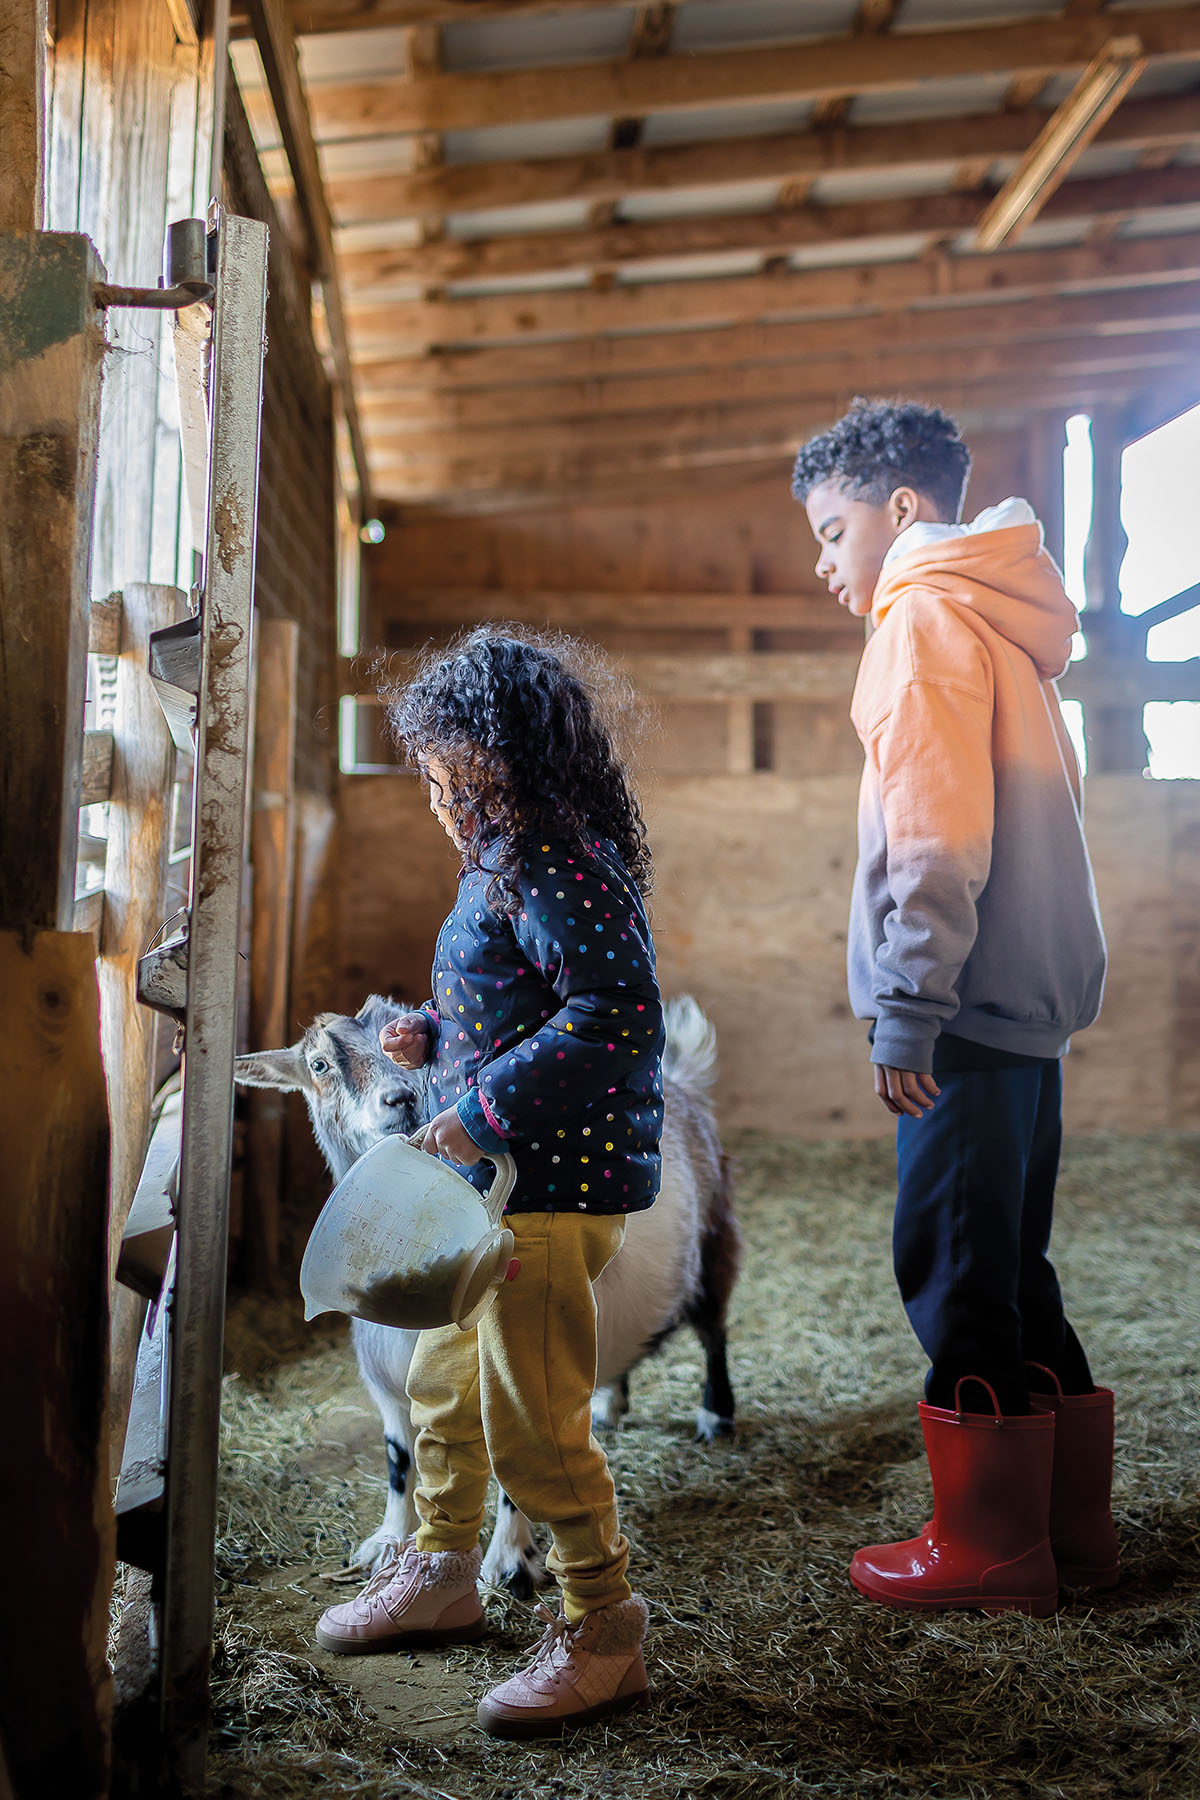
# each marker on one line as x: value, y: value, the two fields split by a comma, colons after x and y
x: 513, y: 1560
x: 610, y: 1404
x: 720, y: 1257
x: 383, y: 1359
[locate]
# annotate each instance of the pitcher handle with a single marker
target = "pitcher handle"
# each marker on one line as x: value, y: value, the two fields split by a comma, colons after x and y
x: 502, y: 1183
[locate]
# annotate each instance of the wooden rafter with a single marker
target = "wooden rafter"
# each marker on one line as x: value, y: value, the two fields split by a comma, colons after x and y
x: 609, y: 174
x: 808, y: 71
x: 319, y: 16
x: 780, y: 230
x: 664, y: 305
x: 761, y: 399
x: 431, y: 420
x: 277, y: 48
x: 598, y: 360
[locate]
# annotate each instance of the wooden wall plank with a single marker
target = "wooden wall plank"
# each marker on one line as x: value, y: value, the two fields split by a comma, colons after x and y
x: 126, y: 215
x: 55, y: 1686
x: 49, y: 400
x: 23, y: 114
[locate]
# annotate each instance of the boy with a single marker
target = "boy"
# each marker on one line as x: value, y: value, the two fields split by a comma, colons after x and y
x: 975, y: 947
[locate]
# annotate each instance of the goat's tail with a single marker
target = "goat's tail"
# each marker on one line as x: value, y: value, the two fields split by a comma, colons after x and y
x: 690, y: 1056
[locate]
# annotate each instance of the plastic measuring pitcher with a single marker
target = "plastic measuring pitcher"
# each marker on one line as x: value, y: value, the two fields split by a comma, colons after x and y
x: 404, y: 1240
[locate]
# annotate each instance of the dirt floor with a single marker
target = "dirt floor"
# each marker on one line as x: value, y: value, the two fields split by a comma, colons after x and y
x: 771, y: 1676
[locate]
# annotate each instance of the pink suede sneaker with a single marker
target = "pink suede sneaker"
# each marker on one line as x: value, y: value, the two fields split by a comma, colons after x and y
x: 579, y: 1673
x: 420, y: 1597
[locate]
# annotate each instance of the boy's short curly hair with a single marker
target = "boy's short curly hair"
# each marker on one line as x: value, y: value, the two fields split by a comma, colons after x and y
x: 880, y: 445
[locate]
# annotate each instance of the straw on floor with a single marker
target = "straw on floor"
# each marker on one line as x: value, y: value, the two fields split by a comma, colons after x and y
x: 771, y: 1677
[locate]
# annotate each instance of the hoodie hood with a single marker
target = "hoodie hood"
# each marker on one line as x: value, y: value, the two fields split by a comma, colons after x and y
x: 998, y: 566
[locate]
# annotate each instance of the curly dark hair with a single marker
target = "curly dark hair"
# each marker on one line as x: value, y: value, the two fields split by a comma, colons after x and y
x: 880, y: 445
x: 515, y: 718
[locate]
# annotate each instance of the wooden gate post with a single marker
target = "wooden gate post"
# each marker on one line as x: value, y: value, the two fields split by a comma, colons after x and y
x: 55, y: 1691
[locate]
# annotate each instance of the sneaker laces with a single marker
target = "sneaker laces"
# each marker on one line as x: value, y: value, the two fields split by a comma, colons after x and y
x: 396, y: 1556
x: 554, y: 1650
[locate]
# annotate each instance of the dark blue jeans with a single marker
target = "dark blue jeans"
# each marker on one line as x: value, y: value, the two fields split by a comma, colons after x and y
x: 973, y: 1214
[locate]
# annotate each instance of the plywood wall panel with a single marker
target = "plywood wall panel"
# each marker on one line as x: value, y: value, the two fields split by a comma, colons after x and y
x: 753, y: 880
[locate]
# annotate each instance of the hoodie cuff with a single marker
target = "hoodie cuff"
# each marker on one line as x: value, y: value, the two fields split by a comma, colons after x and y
x: 901, y: 1043
x: 473, y: 1113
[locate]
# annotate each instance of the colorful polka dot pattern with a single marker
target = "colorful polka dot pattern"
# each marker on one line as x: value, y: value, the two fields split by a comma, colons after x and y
x: 549, y: 1033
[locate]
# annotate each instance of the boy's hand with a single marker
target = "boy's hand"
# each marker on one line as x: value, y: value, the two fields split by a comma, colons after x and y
x: 406, y: 1040
x: 905, y: 1090
x: 446, y: 1135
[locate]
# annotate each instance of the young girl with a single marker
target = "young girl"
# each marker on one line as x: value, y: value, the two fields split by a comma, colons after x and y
x: 544, y: 1038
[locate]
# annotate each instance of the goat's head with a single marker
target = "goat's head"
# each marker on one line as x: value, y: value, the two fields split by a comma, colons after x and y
x: 355, y: 1095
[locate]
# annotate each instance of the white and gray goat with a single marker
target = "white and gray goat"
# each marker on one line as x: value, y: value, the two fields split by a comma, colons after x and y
x: 678, y: 1263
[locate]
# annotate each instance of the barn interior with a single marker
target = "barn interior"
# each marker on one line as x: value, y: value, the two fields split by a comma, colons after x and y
x: 554, y: 290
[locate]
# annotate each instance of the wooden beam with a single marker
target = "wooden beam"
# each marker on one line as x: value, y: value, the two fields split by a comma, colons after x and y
x: 22, y: 114
x: 780, y: 156
x: 104, y: 626
x: 820, y: 397
x: 590, y: 360
x: 314, y: 17
x: 652, y: 306
x: 447, y: 608
x: 794, y: 72
x: 49, y: 410
x: 56, y: 1503
x: 783, y: 229
x: 417, y: 419
x: 563, y: 460
x: 95, y: 781
x: 277, y: 48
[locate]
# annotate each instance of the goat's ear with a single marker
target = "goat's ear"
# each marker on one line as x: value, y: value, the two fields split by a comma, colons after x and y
x: 284, y: 1069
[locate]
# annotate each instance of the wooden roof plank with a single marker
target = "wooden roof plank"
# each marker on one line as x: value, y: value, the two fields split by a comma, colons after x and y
x: 594, y: 360
x: 417, y: 417
x: 780, y: 230
x: 664, y: 305
x: 810, y: 70
x: 778, y: 156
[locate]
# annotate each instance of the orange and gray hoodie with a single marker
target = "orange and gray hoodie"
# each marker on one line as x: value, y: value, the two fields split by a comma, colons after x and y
x: 974, y: 909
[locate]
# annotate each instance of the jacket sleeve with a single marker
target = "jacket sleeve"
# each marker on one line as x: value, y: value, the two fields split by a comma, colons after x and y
x: 931, y: 757
x: 591, y: 946
x: 433, y: 1020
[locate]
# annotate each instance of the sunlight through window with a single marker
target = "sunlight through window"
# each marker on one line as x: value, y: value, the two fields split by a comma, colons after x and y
x: 1072, y: 712
x: 1078, y: 485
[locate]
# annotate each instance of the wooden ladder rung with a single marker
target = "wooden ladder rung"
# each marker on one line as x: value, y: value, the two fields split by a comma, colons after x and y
x: 95, y: 783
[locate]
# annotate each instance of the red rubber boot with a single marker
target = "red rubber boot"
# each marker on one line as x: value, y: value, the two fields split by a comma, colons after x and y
x: 1082, y: 1534
x: 987, y: 1546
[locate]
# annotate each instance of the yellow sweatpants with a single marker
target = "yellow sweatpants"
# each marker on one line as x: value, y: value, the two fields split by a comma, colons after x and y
x: 513, y: 1397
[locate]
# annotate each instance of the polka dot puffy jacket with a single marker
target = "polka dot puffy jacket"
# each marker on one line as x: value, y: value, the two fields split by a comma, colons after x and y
x: 548, y: 1033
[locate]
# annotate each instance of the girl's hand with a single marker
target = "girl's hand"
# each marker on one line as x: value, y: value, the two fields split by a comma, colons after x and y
x: 446, y: 1135
x: 406, y: 1040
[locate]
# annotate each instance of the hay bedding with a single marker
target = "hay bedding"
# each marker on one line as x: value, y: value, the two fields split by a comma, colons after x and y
x: 771, y: 1677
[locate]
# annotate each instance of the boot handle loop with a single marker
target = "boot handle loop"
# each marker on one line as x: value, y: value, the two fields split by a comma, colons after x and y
x: 1043, y: 1370
x: 989, y: 1390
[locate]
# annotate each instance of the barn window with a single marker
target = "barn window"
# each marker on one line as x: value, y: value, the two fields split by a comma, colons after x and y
x: 1158, y: 500
x: 1161, y: 566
